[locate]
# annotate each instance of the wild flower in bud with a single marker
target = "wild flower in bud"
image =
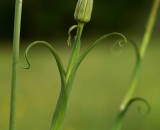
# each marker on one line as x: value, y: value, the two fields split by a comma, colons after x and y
x: 83, y: 10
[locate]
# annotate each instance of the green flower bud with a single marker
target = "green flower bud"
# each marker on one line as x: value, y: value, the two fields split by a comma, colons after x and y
x: 83, y: 10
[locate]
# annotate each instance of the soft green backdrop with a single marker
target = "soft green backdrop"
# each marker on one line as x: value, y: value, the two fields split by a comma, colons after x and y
x: 99, y: 88
x: 102, y: 78
x: 50, y: 19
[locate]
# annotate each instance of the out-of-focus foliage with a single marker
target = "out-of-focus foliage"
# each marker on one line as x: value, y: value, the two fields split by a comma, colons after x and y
x: 52, y: 18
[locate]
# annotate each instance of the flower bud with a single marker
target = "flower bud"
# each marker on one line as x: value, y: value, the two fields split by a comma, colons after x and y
x: 83, y: 10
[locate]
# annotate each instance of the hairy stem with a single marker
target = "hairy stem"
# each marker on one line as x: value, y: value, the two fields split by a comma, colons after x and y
x: 15, y: 63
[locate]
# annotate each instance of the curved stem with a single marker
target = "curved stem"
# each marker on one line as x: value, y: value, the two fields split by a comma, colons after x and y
x: 118, y: 122
x: 69, y: 34
x: 123, y: 108
x: 15, y: 60
x: 75, y: 53
x: 96, y: 42
x: 135, y: 76
x: 57, y: 58
x: 145, y: 42
x: 137, y: 70
x: 62, y: 104
x: 61, y: 107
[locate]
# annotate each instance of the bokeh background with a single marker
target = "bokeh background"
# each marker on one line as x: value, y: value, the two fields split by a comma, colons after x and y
x: 102, y: 79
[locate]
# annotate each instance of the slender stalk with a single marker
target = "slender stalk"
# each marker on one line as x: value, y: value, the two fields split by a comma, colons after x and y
x: 62, y: 104
x: 149, y: 28
x: 15, y: 63
x: 60, y: 111
x: 134, y: 81
x: 137, y: 70
x: 146, y: 39
x: 75, y: 51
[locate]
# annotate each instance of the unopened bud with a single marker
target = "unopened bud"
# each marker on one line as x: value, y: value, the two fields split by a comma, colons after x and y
x: 83, y: 10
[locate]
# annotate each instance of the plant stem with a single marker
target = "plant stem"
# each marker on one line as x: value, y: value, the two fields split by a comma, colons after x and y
x: 15, y: 63
x: 72, y: 66
x: 137, y: 70
x: 149, y: 28
x: 60, y: 111
x: 146, y: 39
x: 75, y: 51
x: 134, y: 81
x: 62, y: 104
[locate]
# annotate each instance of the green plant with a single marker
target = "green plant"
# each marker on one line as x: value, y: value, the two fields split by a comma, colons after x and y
x: 140, y: 56
x: 15, y: 63
x: 82, y: 15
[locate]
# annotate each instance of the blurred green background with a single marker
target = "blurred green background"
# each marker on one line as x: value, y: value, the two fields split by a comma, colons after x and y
x: 102, y: 79
x: 51, y: 19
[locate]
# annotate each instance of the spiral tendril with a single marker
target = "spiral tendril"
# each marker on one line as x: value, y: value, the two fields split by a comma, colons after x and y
x: 26, y: 57
x: 96, y: 42
x: 56, y: 56
x: 118, y: 50
x: 122, y: 45
x: 139, y: 108
x: 118, y: 122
